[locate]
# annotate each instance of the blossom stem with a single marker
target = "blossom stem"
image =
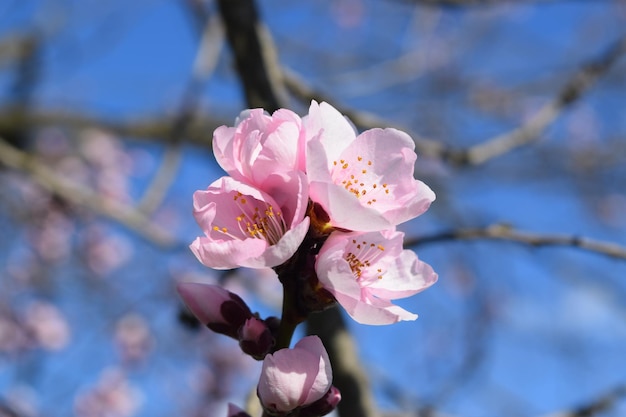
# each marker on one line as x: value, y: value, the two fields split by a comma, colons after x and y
x: 290, y: 318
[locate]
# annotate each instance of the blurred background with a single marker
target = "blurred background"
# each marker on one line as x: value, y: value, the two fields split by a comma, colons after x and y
x: 518, y: 109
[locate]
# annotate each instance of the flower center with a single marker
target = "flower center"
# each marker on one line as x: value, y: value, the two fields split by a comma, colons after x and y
x: 363, y: 257
x: 258, y: 220
x: 358, y: 177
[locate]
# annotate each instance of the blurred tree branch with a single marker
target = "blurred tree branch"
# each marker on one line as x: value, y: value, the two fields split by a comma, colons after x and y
x: 604, y: 402
x: 504, y: 232
x: 575, y: 87
x: 207, y: 54
x: 573, y: 90
x: 157, y: 128
x: 478, y: 3
x: 255, y: 54
x: 348, y: 373
x: 81, y: 195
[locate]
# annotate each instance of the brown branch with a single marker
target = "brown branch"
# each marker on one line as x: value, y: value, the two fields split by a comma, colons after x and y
x: 523, y: 135
x: 298, y: 87
x: 207, y: 54
x: 348, y: 373
x: 157, y: 128
x: 81, y: 195
x: 478, y: 3
x: 503, y: 232
x: 255, y: 55
x: 604, y: 402
x: 529, y: 132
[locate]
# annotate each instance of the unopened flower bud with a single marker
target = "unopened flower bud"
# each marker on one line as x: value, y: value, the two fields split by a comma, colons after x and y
x: 234, y: 411
x: 255, y: 338
x: 324, y: 405
x: 293, y: 378
x: 220, y: 310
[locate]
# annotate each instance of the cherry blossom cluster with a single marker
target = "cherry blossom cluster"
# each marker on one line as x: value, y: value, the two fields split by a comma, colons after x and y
x: 319, y: 203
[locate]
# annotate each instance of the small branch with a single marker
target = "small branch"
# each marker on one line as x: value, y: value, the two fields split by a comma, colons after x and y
x: 298, y: 87
x: 157, y: 128
x: 602, y: 403
x: 525, y: 134
x: 78, y: 194
x: 255, y: 55
x: 206, y: 59
x: 573, y: 89
x: 478, y: 3
x: 506, y: 233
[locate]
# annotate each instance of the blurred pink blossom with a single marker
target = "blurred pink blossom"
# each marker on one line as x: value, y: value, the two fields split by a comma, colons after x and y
x: 48, y: 325
x: 13, y: 336
x: 133, y: 337
x: 112, y: 396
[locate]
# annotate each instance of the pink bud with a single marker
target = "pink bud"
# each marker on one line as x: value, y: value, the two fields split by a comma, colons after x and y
x: 234, y: 411
x: 296, y: 377
x: 255, y: 338
x: 324, y: 405
x: 220, y: 310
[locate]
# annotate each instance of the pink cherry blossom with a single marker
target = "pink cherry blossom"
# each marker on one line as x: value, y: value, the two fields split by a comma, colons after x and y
x: 365, y: 182
x: 245, y: 226
x: 292, y: 378
x: 365, y: 271
x: 260, y: 146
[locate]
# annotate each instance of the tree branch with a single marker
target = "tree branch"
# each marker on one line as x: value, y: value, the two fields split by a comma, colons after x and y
x: 478, y: 3
x: 157, y: 128
x: 525, y: 134
x: 506, y: 233
x: 255, y: 55
x: 573, y: 90
x: 603, y: 403
x: 78, y: 194
x: 348, y: 373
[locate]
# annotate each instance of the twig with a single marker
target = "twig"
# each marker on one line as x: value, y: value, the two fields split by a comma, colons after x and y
x: 206, y: 59
x: 78, y: 194
x: 604, y: 402
x: 506, y: 233
x: 363, y: 120
x: 478, y: 3
x: 157, y: 128
x: 576, y: 86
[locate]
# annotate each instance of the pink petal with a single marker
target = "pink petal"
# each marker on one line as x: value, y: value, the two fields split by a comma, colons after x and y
x: 294, y: 377
x: 365, y: 271
x: 333, y: 131
x: 261, y: 145
x: 378, y: 313
x: 229, y: 254
x: 405, y: 277
x: 231, y: 214
x: 280, y: 252
x: 344, y: 209
x: 324, y: 378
